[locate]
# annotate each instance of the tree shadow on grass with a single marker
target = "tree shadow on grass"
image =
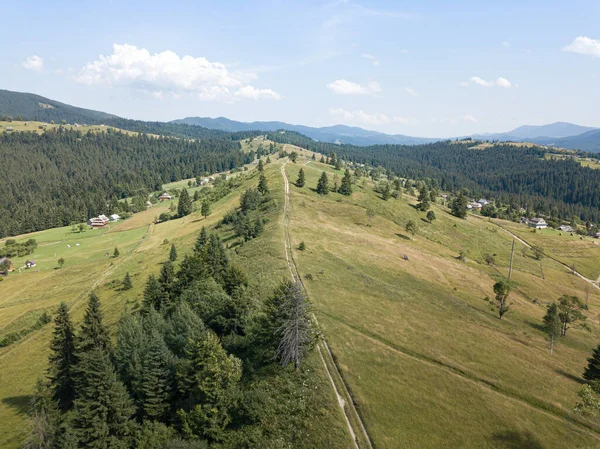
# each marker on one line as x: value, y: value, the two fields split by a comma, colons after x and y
x: 570, y: 376
x: 536, y: 326
x: 402, y: 236
x: 512, y: 439
x: 22, y: 403
x: 426, y: 221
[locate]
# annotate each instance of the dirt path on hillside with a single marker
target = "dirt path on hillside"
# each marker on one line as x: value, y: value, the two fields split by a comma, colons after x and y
x: 347, y: 403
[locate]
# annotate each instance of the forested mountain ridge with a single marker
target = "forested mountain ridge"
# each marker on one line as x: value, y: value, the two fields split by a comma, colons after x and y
x: 36, y: 107
x: 57, y: 178
x: 519, y: 176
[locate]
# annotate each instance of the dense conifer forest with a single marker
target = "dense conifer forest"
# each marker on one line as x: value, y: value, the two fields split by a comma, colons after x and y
x: 519, y: 176
x: 64, y: 177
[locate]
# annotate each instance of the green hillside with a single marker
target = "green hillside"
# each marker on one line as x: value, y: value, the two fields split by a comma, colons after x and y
x: 36, y: 107
x: 419, y: 348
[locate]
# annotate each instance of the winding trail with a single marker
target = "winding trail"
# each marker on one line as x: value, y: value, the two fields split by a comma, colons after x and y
x: 344, y: 398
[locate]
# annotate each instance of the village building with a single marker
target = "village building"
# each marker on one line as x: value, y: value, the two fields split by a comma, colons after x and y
x: 537, y: 223
x: 165, y: 196
x: 98, y: 222
x: 566, y: 228
x: 115, y: 217
x: 477, y: 206
x: 483, y: 202
x: 6, y: 266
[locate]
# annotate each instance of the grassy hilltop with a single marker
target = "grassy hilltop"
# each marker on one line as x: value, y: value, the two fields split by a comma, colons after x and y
x: 420, y: 349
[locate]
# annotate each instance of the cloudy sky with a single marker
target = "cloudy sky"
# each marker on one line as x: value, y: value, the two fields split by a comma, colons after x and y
x: 419, y: 68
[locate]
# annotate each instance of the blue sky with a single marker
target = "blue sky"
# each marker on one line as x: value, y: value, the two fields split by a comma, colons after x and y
x: 419, y: 68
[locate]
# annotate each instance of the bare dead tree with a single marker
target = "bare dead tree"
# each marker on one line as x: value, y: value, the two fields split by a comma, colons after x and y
x: 296, y: 334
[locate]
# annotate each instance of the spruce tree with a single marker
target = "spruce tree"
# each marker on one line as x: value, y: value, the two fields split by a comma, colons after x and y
x: 323, y: 184
x: 127, y: 284
x: 116, y: 252
x: 62, y: 359
x: 592, y: 371
x: 173, y: 253
x: 205, y: 208
x: 459, y: 205
x: 128, y: 354
x: 322, y: 160
x: 301, y: 180
x: 93, y: 334
x: 209, y: 380
x: 184, y: 207
x: 201, y: 240
x: 156, y: 381
x: 261, y: 166
x: 103, y: 408
x: 263, y: 188
x: 166, y: 278
x: 153, y: 294
x: 423, y: 199
x: 346, y: 187
x: 268, y: 160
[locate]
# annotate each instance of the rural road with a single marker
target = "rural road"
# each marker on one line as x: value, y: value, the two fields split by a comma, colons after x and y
x: 295, y: 274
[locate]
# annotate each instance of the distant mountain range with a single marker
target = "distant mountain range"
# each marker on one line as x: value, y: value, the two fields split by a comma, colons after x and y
x: 333, y: 134
x: 559, y: 134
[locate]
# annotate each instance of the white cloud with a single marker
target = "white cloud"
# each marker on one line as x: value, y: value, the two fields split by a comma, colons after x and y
x: 341, y: 114
x: 499, y: 82
x: 360, y: 116
x: 503, y: 82
x: 463, y: 118
x: 411, y: 91
x: 168, y: 72
x: 584, y: 46
x: 34, y: 63
x: 345, y: 87
x: 506, y: 44
x: 404, y: 51
x: 372, y: 58
x: 255, y: 94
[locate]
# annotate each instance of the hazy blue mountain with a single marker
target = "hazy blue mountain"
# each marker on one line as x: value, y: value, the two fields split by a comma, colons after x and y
x: 588, y: 141
x: 334, y: 134
x: 36, y: 107
x: 526, y: 132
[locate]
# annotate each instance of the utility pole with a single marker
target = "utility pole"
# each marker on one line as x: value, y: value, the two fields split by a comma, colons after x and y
x: 512, y: 253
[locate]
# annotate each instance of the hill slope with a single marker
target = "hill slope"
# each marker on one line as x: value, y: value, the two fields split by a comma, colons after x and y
x: 36, y: 107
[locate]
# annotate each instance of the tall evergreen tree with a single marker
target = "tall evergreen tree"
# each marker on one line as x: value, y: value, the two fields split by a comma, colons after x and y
x: 153, y: 294
x: 592, y: 371
x: 62, y: 359
x: 184, y: 207
x: 459, y: 205
x: 323, y: 184
x: 127, y: 284
x: 301, y: 179
x: 156, y: 383
x: 423, y: 199
x: 208, y: 380
x: 116, y: 252
x: 346, y: 187
x: 93, y: 334
x: 205, y: 208
x: 128, y: 354
x: 173, y: 253
x: 201, y: 240
x: 261, y: 166
x: 103, y: 408
x: 263, y: 187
